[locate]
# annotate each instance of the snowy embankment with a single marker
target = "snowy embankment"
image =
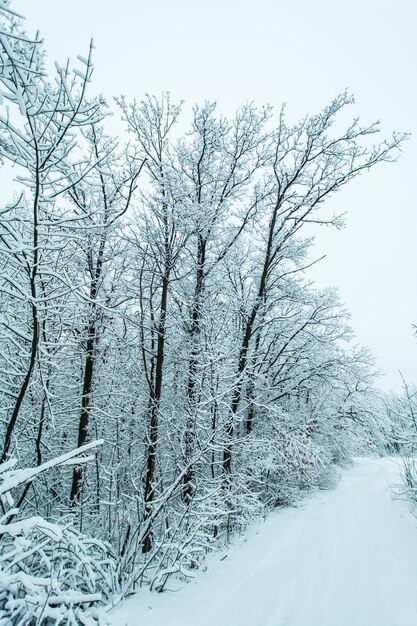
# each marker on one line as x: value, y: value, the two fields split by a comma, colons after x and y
x: 347, y: 557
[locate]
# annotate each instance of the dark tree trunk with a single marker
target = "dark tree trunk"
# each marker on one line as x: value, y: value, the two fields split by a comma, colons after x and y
x: 270, y: 254
x: 35, y: 322
x: 88, y: 377
x: 195, y: 330
x: 153, y: 408
x: 85, y: 410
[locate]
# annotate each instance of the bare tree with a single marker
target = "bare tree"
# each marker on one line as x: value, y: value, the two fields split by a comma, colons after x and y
x: 307, y: 165
x: 151, y: 122
x: 100, y: 199
x: 38, y: 135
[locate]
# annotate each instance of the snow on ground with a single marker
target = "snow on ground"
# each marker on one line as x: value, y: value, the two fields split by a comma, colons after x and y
x: 347, y: 557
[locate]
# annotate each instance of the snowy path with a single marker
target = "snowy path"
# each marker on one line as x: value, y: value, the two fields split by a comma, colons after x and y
x: 347, y: 557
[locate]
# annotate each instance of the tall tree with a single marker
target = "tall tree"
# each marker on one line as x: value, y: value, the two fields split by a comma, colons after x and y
x: 100, y: 199
x: 307, y: 165
x: 38, y: 135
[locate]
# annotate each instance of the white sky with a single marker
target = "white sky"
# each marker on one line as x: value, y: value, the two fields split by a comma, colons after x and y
x: 303, y: 53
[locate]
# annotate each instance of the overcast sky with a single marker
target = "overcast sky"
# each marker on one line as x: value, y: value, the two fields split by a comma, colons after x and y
x: 303, y: 53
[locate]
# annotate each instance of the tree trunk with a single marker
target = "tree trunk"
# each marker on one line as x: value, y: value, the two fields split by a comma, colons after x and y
x: 153, y: 409
x: 190, y: 428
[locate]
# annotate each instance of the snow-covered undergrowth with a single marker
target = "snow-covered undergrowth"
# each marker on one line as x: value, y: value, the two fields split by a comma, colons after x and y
x: 410, y: 480
x: 403, y: 414
x: 49, y: 573
x: 272, y: 473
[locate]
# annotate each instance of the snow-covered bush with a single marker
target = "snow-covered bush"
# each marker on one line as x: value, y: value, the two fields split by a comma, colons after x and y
x: 402, y: 411
x: 50, y: 573
x: 282, y: 458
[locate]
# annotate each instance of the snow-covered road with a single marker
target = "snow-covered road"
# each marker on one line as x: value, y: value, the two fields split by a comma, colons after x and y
x: 347, y: 557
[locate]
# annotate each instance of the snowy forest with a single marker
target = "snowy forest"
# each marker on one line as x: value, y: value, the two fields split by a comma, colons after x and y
x: 169, y: 373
